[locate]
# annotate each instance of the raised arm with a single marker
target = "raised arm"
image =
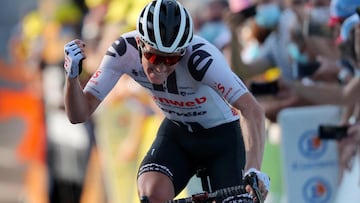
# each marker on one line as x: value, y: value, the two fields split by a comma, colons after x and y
x: 232, y: 53
x: 78, y: 105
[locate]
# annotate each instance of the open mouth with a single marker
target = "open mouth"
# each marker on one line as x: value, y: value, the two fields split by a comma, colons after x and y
x: 157, y: 76
x: 158, y: 71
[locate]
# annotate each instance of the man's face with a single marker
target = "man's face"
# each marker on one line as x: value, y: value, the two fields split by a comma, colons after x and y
x: 157, y: 65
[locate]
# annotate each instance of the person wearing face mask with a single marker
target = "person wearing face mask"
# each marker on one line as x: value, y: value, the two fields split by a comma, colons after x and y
x: 211, y: 119
x: 267, y: 15
x: 343, y: 92
x: 320, y: 11
x: 275, y: 19
x: 214, y: 28
x: 270, y: 16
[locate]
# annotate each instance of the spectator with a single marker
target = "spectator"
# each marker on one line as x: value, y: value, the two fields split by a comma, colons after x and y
x: 276, y: 20
x: 214, y: 29
x: 321, y: 92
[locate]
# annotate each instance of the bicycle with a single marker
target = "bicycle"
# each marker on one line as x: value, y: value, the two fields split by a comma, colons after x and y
x: 225, y: 195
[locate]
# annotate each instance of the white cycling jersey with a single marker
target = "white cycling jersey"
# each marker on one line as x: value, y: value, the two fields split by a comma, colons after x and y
x: 197, y: 93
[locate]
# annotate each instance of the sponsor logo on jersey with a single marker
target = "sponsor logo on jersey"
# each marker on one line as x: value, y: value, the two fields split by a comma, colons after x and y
x: 196, y: 101
x: 95, y: 76
x: 187, y: 114
x: 234, y: 112
x: 199, y: 62
x: 225, y: 92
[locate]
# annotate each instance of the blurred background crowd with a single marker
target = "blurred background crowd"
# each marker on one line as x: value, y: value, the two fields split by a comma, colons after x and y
x: 290, y: 53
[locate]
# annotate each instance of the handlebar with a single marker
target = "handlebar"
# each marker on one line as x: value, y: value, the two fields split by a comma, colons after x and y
x: 205, y: 197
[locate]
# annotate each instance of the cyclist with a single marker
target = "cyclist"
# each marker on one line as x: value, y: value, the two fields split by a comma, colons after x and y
x: 201, y: 98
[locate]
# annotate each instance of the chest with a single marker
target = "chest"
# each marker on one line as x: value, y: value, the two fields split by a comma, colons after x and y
x: 179, y: 83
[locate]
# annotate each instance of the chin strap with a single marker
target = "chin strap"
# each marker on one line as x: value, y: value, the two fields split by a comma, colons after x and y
x: 140, y: 54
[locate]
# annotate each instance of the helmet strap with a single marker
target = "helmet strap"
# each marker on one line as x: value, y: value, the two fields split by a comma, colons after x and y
x: 140, y: 53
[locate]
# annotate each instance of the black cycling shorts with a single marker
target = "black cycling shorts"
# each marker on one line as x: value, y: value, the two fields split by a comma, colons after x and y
x: 178, y: 154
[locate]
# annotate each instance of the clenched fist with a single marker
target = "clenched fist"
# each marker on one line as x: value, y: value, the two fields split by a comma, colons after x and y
x: 74, y: 55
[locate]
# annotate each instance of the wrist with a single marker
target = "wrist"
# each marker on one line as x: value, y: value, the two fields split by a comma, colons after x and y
x: 72, y: 80
x: 72, y: 77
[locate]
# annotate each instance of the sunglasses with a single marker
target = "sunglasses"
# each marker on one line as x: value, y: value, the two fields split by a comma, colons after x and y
x: 158, y: 59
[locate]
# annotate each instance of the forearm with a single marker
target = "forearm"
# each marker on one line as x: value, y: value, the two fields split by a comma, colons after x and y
x: 76, y: 103
x: 321, y: 94
x: 242, y: 69
x: 232, y: 53
x: 253, y: 129
x: 235, y: 56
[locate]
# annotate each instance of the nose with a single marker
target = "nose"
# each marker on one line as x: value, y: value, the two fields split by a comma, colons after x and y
x: 161, y: 68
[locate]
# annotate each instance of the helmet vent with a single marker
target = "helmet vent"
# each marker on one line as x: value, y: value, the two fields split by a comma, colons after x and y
x: 186, y: 33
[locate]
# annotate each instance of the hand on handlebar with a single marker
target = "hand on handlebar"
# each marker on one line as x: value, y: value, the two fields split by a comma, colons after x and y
x: 258, y: 184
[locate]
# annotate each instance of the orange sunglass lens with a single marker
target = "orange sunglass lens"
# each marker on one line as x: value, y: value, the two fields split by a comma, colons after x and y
x: 157, y: 59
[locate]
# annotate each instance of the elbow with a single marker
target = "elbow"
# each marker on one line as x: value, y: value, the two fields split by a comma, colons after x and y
x: 76, y: 119
x: 75, y: 116
x: 252, y: 108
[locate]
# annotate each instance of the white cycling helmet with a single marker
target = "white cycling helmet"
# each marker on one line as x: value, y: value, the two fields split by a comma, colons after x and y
x: 166, y: 26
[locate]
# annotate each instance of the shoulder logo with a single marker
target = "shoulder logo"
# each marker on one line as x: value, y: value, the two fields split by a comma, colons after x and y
x: 119, y: 46
x: 199, y: 62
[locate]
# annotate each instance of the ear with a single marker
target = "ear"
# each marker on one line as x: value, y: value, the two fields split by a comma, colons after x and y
x: 138, y: 42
